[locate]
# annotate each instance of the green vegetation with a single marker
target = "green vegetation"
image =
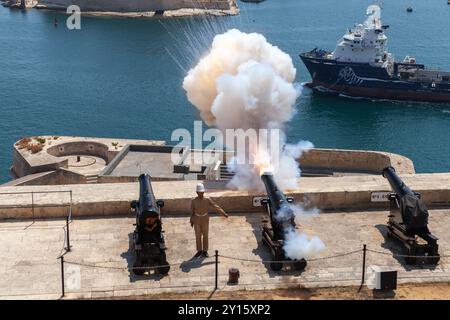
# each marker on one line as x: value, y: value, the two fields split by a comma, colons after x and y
x: 40, y: 140
x: 27, y: 143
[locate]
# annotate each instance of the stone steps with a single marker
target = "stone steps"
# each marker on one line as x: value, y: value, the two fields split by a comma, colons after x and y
x: 91, y: 178
x: 224, y: 173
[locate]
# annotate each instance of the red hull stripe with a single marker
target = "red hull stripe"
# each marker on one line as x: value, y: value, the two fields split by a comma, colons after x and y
x: 426, y: 96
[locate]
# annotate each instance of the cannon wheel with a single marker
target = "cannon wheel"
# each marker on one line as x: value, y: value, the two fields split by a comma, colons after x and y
x: 300, y: 264
x: 165, y: 269
x: 276, y: 266
x: 433, y: 260
x: 411, y: 260
x: 137, y: 268
x: 163, y: 264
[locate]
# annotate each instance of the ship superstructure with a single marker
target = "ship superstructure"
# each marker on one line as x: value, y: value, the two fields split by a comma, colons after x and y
x: 361, y: 66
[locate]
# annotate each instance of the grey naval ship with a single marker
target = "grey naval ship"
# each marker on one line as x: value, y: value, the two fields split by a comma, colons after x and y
x: 360, y: 66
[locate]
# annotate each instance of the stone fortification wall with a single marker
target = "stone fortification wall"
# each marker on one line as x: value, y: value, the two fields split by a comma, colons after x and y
x: 140, y: 5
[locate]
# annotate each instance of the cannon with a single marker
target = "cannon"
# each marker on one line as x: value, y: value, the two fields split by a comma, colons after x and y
x: 148, y: 238
x: 279, y: 219
x: 408, y: 222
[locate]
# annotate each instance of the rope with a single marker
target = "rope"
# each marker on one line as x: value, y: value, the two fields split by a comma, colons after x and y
x: 337, y: 255
x: 287, y: 261
x: 120, y: 268
x: 125, y: 268
x: 404, y: 255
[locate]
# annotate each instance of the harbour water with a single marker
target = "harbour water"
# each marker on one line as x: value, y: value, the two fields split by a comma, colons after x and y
x: 122, y: 77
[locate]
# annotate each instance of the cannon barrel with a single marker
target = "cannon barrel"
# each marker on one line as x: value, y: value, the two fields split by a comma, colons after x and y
x: 276, y: 197
x: 147, y: 206
x: 408, y: 220
x: 398, y: 186
x: 413, y: 212
x: 281, y: 215
x: 282, y: 218
x: 147, y: 201
x: 149, y: 245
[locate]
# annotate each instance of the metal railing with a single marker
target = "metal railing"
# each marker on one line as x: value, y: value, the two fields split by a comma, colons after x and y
x: 216, y: 261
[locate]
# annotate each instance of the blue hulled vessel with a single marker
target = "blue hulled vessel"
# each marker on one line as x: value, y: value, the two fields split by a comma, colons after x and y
x: 360, y: 66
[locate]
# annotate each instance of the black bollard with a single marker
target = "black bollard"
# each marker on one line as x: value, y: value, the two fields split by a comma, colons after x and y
x: 62, y: 276
x: 363, y: 268
x: 67, y: 235
x: 217, y: 269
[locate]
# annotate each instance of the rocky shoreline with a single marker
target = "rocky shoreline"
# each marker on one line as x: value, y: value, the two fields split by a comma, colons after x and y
x: 184, y: 12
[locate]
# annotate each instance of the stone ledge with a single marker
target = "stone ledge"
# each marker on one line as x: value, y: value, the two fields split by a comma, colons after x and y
x: 326, y: 193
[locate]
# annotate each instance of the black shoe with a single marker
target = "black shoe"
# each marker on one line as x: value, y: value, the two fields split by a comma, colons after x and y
x: 198, y: 254
x: 205, y: 254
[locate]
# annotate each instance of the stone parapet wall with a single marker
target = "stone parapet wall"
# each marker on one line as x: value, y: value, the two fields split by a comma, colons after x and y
x: 90, y: 148
x: 40, y: 163
x: 325, y: 193
x: 356, y: 161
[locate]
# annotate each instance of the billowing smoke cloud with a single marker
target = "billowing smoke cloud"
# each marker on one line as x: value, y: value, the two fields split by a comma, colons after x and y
x: 298, y: 245
x: 242, y: 75
x: 244, y: 82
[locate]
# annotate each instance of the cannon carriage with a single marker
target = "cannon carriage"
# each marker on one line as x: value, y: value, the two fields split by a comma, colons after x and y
x: 279, y: 218
x: 148, y: 238
x: 408, y: 222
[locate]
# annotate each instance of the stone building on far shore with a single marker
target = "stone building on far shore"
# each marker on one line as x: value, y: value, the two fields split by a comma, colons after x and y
x: 135, y: 8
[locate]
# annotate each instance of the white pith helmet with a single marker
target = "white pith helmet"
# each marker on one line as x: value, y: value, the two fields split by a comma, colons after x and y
x: 200, y: 187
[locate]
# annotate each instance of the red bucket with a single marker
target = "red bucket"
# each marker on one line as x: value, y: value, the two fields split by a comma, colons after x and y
x: 233, y: 276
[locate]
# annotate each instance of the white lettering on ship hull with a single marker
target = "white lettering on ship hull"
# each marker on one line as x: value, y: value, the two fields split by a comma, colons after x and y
x: 349, y: 76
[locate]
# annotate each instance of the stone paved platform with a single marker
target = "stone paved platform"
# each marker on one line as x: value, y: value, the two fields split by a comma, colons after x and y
x: 29, y: 265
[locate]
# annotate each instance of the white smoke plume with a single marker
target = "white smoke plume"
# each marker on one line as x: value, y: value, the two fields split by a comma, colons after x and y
x: 298, y: 245
x: 244, y: 82
x: 244, y: 69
